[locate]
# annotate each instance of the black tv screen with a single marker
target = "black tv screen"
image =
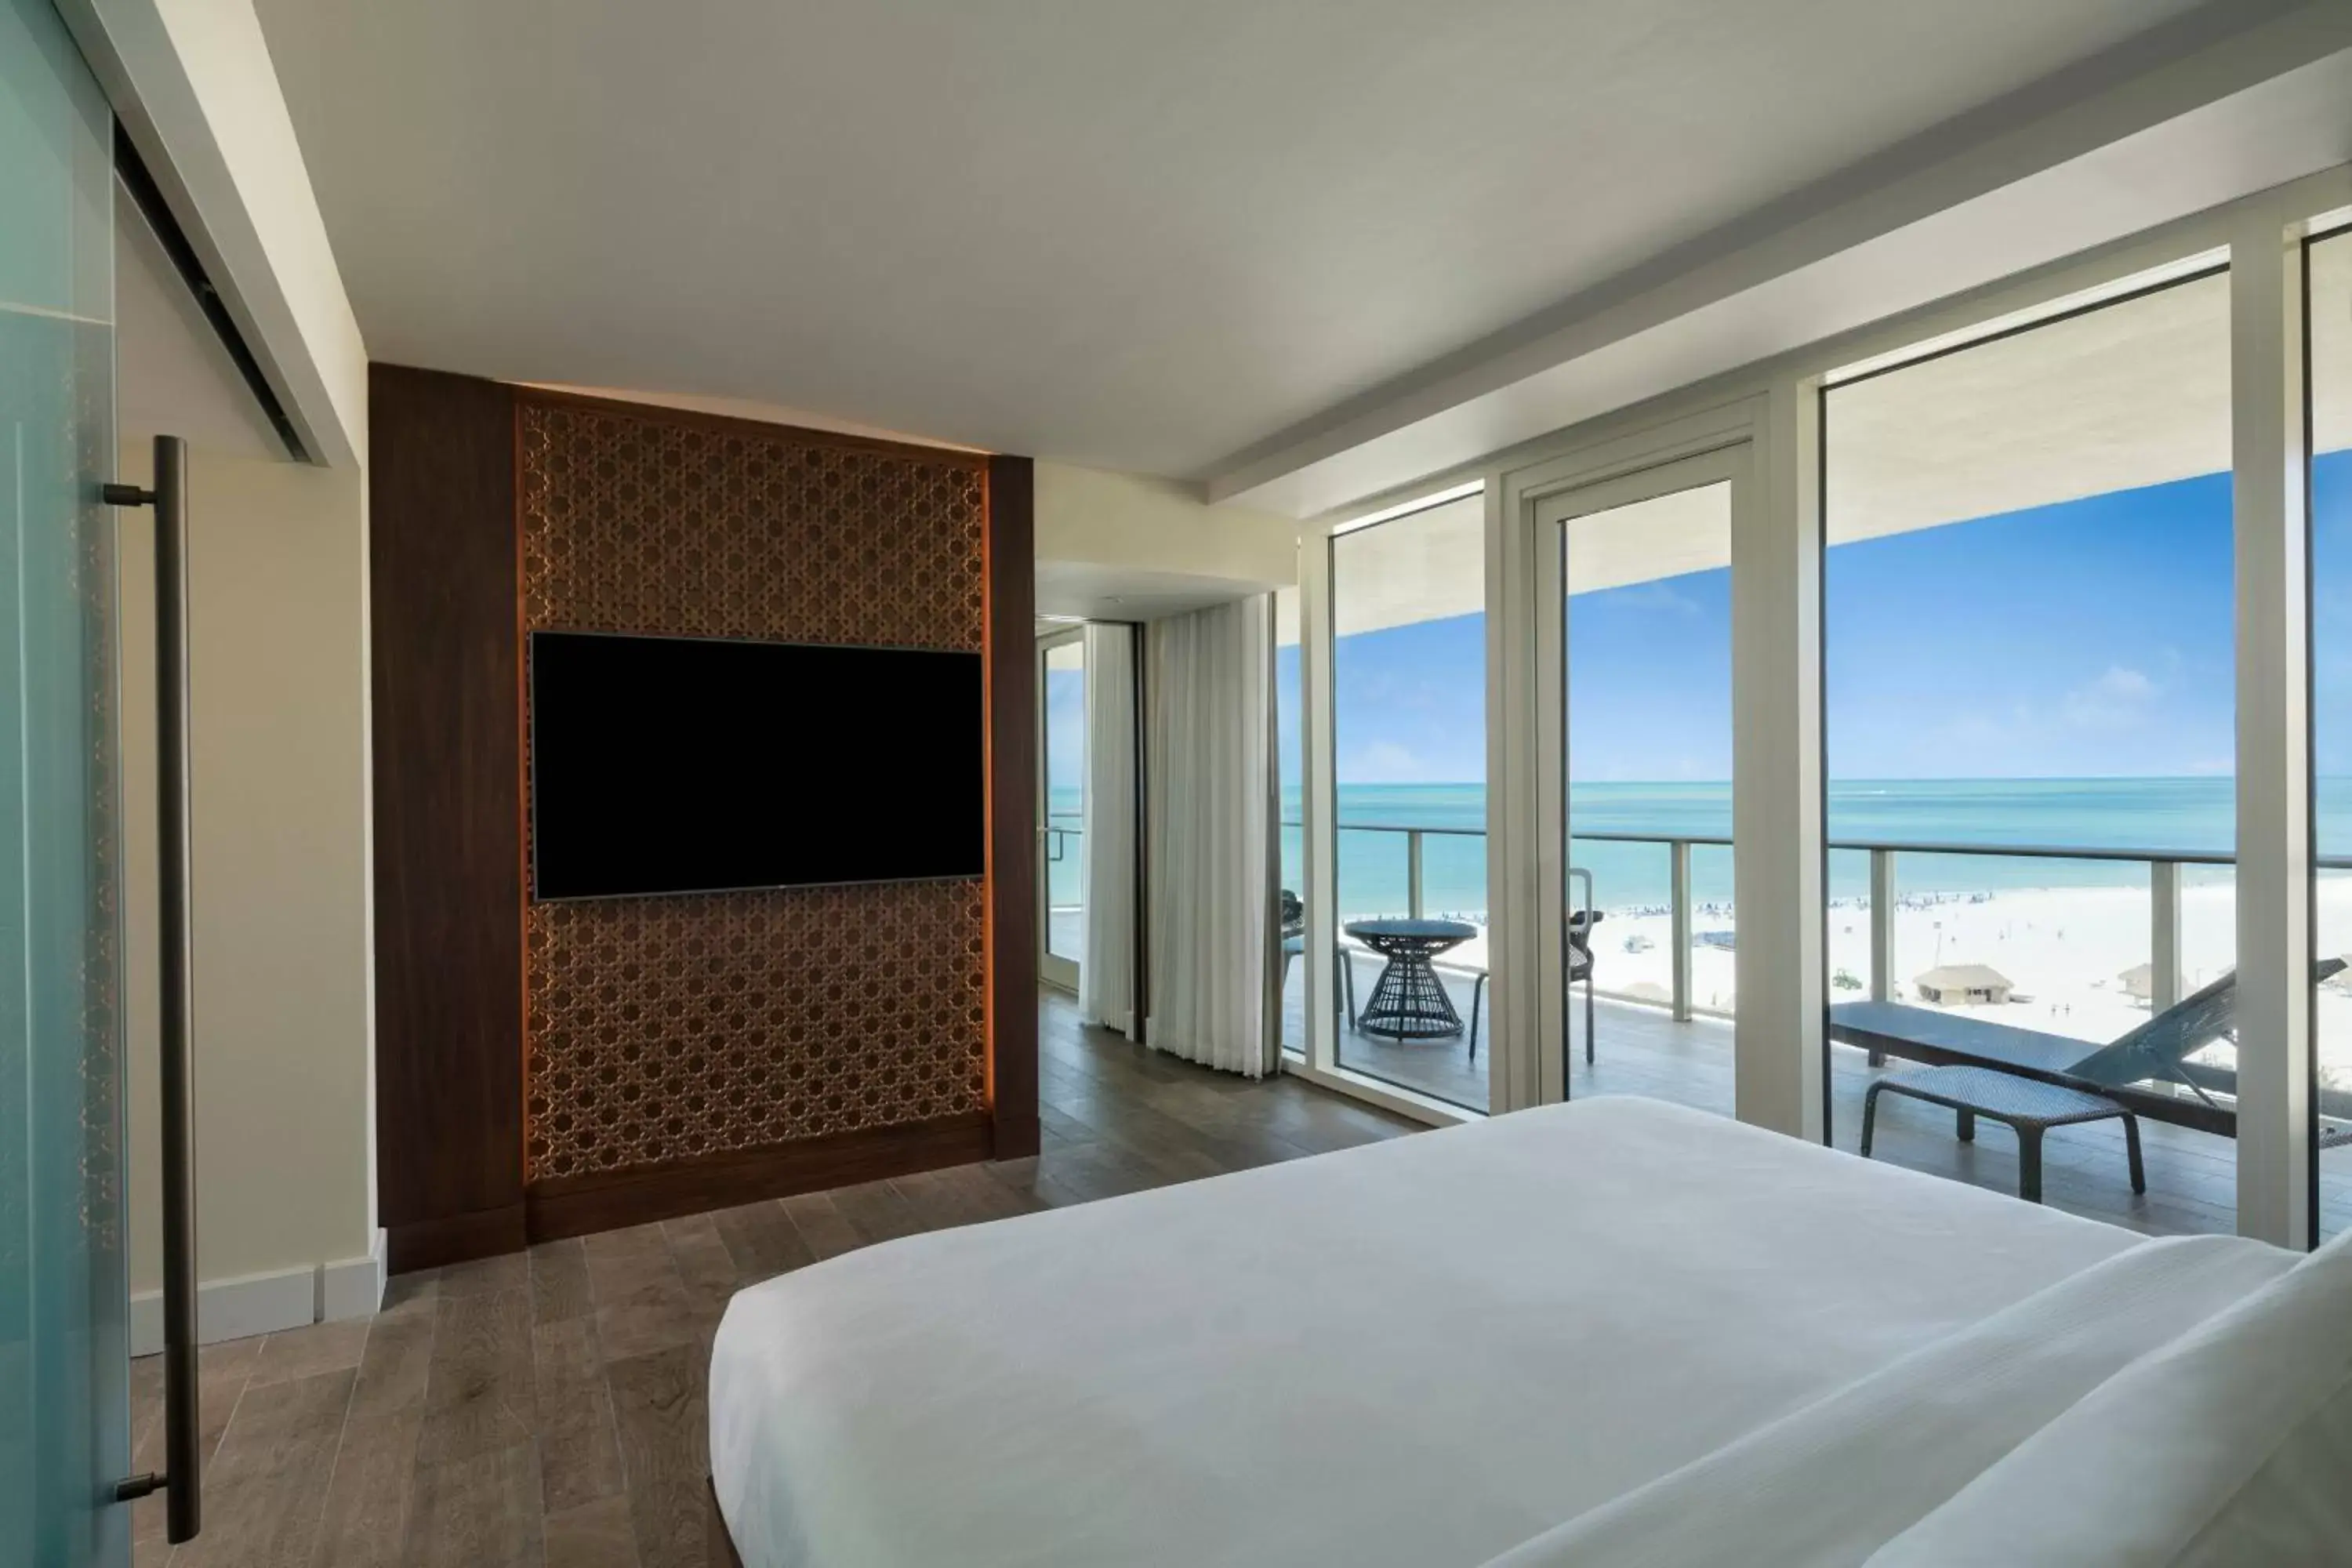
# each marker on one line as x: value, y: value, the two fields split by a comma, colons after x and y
x: 691, y: 764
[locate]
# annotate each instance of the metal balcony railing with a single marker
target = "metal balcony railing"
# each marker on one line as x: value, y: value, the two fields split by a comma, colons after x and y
x: 2164, y: 866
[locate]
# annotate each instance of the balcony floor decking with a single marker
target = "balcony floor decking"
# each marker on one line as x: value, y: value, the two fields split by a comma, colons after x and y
x: 2192, y: 1176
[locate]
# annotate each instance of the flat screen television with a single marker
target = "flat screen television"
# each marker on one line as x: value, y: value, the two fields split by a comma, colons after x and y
x: 668, y: 764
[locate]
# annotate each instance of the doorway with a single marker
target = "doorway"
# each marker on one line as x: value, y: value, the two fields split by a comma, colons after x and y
x: 1061, y: 807
x: 1637, y: 988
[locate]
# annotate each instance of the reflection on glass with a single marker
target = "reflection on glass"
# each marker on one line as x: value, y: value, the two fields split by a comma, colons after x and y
x: 2029, y: 644
x: 1408, y: 769
x: 1066, y: 800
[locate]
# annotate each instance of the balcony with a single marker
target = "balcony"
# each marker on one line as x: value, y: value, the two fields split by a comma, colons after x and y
x: 2155, y: 927
x: 1063, y: 838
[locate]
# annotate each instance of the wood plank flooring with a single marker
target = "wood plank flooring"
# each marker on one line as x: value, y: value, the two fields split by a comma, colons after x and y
x: 546, y: 1410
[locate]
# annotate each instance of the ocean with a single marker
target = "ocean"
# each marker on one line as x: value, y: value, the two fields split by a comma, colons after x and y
x: 2174, y: 815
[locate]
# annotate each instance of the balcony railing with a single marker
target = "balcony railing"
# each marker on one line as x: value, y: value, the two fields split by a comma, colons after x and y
x: 2165, y: 966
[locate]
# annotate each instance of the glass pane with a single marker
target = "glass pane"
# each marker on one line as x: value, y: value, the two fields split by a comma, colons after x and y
x: 2330, y: 263
x: 1648, y: 679
x: 1066, y: 800
x: 1289, y: 716
x: 1408, y: 769
x: 2029, y: 644
x: 63, y: 1345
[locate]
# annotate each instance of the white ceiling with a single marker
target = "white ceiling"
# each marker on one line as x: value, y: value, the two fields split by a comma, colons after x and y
x: 1124, y: 232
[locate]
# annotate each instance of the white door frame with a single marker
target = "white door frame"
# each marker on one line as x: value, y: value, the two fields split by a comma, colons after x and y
x: 1776, y: 748
x: 1551, y: 516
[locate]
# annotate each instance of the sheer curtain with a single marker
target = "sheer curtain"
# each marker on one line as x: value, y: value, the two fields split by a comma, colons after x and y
x: 1106, y: 965
x: 1211, y: 681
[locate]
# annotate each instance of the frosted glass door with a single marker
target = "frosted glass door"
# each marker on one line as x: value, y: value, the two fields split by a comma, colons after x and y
x: 63, y: 1415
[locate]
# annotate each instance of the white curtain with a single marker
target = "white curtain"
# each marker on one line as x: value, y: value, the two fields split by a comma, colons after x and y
x: 1106, y: 964
x: 1211, y: 682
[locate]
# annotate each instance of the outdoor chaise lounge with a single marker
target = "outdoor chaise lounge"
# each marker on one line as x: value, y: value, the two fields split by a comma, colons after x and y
x: 2127, y: 1071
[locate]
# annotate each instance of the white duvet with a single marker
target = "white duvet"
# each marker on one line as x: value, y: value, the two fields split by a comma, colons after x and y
x: 1613, y: 1333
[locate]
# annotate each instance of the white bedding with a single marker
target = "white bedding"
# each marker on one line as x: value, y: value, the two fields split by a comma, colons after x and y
x: 1513, y: 1323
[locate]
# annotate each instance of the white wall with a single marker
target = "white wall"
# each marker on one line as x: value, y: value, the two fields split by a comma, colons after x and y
x: 282, y: 896
x: 283, y: 1010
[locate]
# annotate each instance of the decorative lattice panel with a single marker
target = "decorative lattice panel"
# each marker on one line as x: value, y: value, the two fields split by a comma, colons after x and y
x: 641, y: 525
x: 660, y: 1029
x: 663, y: 1028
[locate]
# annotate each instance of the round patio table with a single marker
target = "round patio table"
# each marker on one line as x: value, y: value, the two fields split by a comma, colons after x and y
x: 1409, y: 1003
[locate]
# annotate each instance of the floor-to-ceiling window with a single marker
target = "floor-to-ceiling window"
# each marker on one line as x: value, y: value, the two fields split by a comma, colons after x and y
x: 1408, y: 769
x: 1062, y: 809
x: 2329, y: 261
x: 2029, y: 709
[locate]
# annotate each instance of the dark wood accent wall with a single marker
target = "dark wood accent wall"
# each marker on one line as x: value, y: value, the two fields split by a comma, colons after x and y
x: 1012, y: 791
x: 545, y: 1070
x: 448, y: 826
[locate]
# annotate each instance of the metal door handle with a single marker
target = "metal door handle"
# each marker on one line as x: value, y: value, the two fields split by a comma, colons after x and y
x: 182, y: 1478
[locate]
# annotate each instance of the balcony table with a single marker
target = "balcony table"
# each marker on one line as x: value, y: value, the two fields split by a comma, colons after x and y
x: 1409, y: 1002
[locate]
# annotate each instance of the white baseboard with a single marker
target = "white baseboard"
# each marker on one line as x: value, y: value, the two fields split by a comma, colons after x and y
x: 267, y: 1303
x: 354, y: 1288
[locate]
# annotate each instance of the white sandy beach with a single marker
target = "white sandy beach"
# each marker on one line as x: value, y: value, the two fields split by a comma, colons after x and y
x: 2064, y: 948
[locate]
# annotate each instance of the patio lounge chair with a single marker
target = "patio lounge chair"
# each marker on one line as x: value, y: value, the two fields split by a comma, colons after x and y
x: 2123, y: 1071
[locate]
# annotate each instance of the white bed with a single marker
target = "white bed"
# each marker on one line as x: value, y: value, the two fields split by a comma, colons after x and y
x: 1613, y: 1332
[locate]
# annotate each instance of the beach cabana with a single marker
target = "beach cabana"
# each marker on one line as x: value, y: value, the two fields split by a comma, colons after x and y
x: 2138, y: 983
x: 1953, y: 985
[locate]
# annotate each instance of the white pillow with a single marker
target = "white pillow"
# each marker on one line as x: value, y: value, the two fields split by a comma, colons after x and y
x: 2231, y: 1445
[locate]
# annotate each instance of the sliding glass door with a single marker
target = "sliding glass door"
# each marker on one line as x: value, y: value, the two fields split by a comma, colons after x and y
x: 1062, y: 806
x: 63, y: 1334
x: 1639, y: 932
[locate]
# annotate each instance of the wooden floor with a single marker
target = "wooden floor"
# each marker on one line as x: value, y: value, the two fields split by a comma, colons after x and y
x: 2192, y: 1176
x: 548, y: 1409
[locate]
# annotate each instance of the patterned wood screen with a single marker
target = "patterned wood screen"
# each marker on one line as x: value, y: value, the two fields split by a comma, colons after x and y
x: 662, y: 1028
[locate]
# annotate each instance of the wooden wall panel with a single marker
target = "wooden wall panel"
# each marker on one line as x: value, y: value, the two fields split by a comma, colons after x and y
x: 553, y: 1069
x: 448, y: 828
x: 1013, y: 783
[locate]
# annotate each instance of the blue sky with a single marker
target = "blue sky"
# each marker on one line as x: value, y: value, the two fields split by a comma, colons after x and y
x: 2086, y: 640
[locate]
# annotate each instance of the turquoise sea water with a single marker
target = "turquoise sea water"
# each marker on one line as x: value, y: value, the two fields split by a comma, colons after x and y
x: 2176, y: 814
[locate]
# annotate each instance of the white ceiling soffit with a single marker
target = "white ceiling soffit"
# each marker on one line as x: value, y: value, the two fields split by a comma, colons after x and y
x: 1098, y: 593
x: 196, y: 88
x: 1143, y: 237
x: 2181, y: 121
